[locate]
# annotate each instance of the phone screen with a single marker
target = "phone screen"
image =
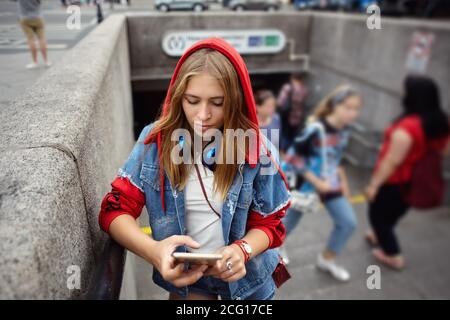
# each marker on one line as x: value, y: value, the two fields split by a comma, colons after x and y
x: 197, y: 258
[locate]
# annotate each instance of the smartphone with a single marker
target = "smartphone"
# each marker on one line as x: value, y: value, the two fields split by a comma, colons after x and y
x: 197, y: 258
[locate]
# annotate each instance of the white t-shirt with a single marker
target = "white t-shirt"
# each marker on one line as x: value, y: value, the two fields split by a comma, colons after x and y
x: 202, y: 224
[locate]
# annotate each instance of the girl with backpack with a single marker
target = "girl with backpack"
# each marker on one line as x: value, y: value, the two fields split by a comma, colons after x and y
x: 410, y: 159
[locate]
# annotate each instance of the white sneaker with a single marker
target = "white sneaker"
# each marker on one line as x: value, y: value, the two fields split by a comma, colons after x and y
x: 284, y: 255
x: 48, y: 64
x: 335, y: 270
x: 31, y: 65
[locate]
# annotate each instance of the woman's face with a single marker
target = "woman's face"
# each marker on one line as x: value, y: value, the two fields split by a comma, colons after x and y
x: 203, y: 103
x: 347, y: 111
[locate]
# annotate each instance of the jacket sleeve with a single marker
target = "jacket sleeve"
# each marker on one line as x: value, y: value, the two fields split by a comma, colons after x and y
x: 271, y: 198
x: 124, y: 198
x: 127, y: 193
x: 271, y: 225
x: 270, y: 192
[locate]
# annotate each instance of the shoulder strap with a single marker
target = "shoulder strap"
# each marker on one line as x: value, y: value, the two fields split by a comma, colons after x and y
x: 204, y: 191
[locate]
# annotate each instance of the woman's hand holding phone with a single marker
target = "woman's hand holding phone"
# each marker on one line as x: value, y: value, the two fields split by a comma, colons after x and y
x: 172, y: 270
x: 231, y: 267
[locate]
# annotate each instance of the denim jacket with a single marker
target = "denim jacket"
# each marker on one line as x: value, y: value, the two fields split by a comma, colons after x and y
x: 252, y: 189
x: 310, y: 150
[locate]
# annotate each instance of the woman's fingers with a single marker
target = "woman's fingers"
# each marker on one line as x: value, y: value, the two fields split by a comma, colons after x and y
x: 184, y: 241
x: 220, y: 265
x: 211, y: 271
x: 236, y: 276
x: 237, y: 267
x: 187, y: 278
x: 235, y: 272
x: 202, y: 267
x: 230, y: 268
x: 171, y: 269
x: 174, y: 271
x: 180, y: 277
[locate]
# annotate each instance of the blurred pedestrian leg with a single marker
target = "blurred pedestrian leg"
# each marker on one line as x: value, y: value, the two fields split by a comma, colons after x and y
x: 33, y: 26
x: 98, y: 4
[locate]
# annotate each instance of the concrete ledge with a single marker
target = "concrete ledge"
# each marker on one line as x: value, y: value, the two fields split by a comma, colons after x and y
x: 43, y: 226
x: 62, y: 143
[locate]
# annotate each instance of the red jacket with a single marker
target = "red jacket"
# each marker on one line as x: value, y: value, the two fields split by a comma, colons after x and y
x: 125, y: 198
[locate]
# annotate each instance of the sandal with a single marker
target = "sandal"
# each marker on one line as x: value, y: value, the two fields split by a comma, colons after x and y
x: 393, y: 262
x: 371, y: 238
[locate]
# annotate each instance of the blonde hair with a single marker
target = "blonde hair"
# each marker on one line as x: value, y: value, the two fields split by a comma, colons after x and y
x: 327, y: 104
x: 235, y: 117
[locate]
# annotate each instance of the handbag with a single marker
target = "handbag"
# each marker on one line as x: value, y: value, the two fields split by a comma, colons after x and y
x: 281, y: 273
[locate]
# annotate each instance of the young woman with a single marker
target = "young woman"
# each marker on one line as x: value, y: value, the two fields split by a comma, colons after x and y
x: 269, y: 119
x: 423, y: 124
x: 333, y: 116
x: 232, y: 208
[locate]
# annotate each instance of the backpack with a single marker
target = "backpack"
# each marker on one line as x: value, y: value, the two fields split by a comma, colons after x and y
x: 426, y: 189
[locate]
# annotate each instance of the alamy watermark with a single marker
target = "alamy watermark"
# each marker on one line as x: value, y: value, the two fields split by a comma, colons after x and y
x: 373, y: 22
x: 73, y: 21
x: 374, y: 280
x: 73, y: 281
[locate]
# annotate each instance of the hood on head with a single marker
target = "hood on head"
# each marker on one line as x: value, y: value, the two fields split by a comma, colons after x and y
x: 235, y: 58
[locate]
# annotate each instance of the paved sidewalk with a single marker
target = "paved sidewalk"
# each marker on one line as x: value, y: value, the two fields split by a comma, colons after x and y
x: 14, y: 54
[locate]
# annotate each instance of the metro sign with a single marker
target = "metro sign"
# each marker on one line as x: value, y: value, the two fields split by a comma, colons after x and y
x: 262, y: 41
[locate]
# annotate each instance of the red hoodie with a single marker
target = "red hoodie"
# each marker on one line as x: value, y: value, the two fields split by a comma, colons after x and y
x: 125, y: 198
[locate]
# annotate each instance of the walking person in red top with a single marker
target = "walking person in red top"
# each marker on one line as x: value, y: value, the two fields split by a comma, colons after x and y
x: 422, y: 126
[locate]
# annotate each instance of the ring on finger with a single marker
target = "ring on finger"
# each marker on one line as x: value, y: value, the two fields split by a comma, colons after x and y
x: 229, y: 265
